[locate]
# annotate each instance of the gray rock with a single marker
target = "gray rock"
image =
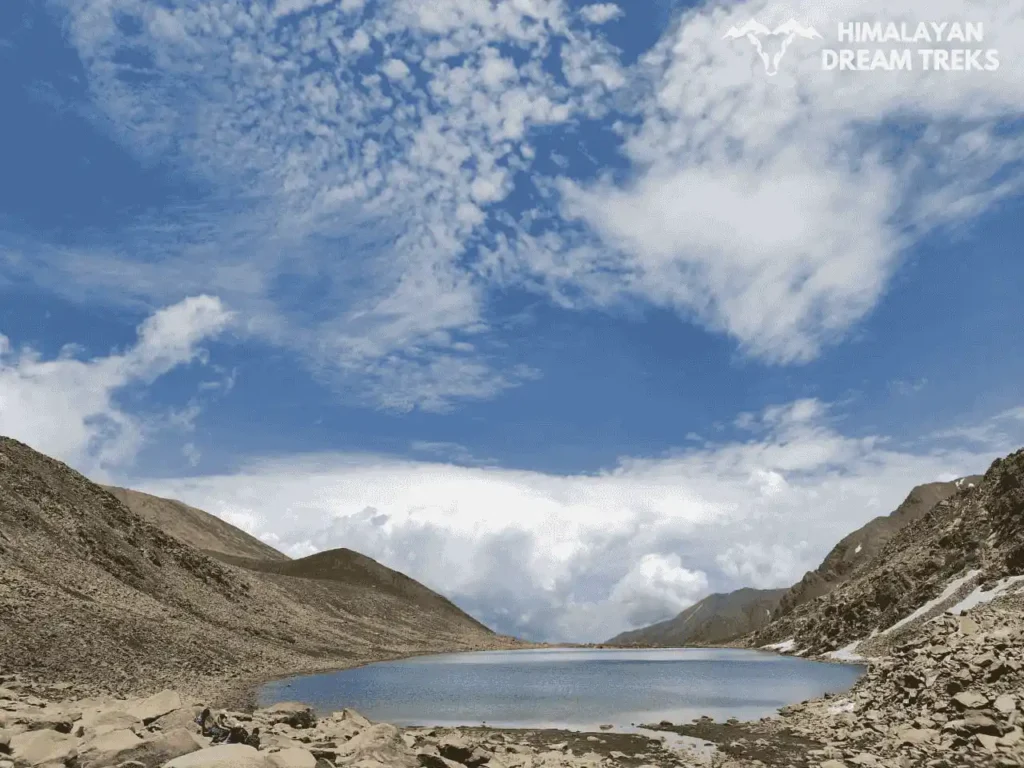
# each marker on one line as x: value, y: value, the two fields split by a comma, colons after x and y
x: 40, y: 747
x: 155, y: 706
x: 106, y: 749
x: 293, y: 713
x: 292, y: 758
x: 222, y: 756
x: 916, y: 735
x: 969, y: 700
x: 1005, y: 704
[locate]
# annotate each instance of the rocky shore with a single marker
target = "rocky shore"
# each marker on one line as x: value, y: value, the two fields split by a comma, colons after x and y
x: 950, y: 696
x: 39, y: 729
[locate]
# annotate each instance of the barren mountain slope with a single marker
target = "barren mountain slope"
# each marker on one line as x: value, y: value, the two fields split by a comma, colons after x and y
x: 92, y: 593
x: 195, y: 527
x: 861, y: 546
x: 714, y: 619
x: 969, y: 540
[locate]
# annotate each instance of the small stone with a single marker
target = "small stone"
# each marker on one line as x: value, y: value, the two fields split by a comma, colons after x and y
x: 968, y: 626
x: 865, y: 759
x: 990, y: 743
x: 916, y: 735
x: 1005, y: 704
x: 969, y: 700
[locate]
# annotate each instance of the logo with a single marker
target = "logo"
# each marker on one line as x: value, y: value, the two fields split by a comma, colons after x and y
x: 754, y: 31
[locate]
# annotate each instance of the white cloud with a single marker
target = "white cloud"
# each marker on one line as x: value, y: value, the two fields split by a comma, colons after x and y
x: 583, y: 557
x: 600, y: 13
x: 67, y: 407
x: 396, y: 69
x: 774, y: 210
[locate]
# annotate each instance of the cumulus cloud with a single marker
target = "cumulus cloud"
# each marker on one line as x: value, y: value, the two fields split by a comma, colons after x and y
x: 583, y: 557
x: 600, y: 13
x: 67, y: 407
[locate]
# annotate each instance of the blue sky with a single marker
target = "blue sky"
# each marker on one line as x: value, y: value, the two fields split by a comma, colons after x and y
x: 568, y: 290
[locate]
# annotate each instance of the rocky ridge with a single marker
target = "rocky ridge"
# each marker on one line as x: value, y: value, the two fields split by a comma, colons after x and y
x: 966, y: 544
x: 857, y: 549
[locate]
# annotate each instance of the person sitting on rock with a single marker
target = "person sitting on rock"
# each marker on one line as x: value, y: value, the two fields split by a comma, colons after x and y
x: 237, y: 735
x: 201, y: 721
x: 220, y: 730
x: 254, y: 738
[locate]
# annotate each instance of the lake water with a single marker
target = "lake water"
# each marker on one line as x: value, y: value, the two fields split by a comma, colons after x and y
x: 569, y: 688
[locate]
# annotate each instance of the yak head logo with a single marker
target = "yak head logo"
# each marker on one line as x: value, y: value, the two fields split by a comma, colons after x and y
x: 754, y: 30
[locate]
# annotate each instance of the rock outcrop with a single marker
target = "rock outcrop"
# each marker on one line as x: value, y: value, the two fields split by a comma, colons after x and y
x: 860, y: 547
x: 969, y: 543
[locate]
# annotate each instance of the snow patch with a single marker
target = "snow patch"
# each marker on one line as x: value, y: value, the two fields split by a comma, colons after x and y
x: 979, y: 596
x: 785, y: 646
x: 846, y: 653
x: 842, y: 706
x: 858, y: 549
x: 947, y: 593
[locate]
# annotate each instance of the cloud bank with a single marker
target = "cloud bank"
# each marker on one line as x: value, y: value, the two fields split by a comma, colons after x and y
x: 582, y: 557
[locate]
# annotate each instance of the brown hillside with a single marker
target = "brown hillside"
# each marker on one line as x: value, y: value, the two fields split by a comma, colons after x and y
x: 195, y: 527
x: 95, y: 594
x: 715, y: 619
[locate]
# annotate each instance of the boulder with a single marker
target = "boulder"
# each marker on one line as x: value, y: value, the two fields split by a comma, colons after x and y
x: 969, y: 700
x: 428, y: 760
x: 916, y: 735
x: 179, y: 718
x: 162, y: 747
x: 976, y: 722
x: 155, y: 706
x: 97, y: 723
x: 381, y: 742
x: 52, y: 720
x: 222, y: 756
x: 40, y: 747
x: 292, y: 758
x: 104, y: 749
x: 455, y: 747
x: 292, y: 713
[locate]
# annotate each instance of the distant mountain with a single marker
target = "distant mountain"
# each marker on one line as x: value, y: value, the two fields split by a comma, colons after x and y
x: 861, y: 546
x: 968, y: 543
x: 107, y: 598
x: 195, y: 527
x: 715, y: 619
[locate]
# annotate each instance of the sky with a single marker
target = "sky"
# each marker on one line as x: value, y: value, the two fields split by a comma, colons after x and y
x: 570, y: 311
